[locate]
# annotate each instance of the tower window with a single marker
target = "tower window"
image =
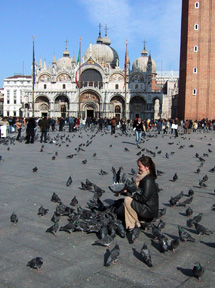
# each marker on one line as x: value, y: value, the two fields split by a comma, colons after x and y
x: 196, y: 27
x: 195, y: 48
x: 44, y: 86
x: 195, y: 70
x: 116, y: 86
x: 194, y: 92
x: 197, y: 5
x: 64, y: 86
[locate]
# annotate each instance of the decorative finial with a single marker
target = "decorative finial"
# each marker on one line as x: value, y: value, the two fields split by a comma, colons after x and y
x: 100, y: 26
x: 106, y: 30
x: 66, y: 43
x: 144, y: 43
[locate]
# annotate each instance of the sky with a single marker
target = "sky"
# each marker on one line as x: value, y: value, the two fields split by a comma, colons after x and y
x: 53, y: 22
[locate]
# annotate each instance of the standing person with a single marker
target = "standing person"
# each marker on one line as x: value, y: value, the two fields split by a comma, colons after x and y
x: 113, y: 125
x: 100, y: 122
x: 53, y: 124
x: 19, y: 128
x: 109, y: 124
x: 61, y: 124
x: 144, y: 205
x: 138, y: 127
x: 71, y: 124
x: 30, y: 130
x: 44, y: 126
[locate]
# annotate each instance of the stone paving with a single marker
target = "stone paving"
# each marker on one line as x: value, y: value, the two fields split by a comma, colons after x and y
x: 70, y: 260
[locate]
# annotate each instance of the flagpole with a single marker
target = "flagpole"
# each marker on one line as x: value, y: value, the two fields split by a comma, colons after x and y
x: 79, y: 100
x: 125, y: 78
x: 33, y: 79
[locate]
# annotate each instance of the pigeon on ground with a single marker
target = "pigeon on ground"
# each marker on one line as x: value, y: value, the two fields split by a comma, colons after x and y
x: 84, y: 161
x: 120, y: 230
x: 161, y: 212
x: 69, y: 227
x: 201, y: 230
x: 106, y: 241
x: 175, y: 244
x: 126, y: 149
x: 35, y: 169
x: 69, y: 181
x: 113, y: 255
x: 55, y: 198
x: 161, y: 225
x: 189, y: 211
x: 102, y: 172
x: 13, y: 218
x: 156, y: 232
x: 133, y: 172
x: 185, y: 202
x: 94, y: 154
x: 197, y: 171
x: 163, y: 241
x: 53, y: 229
x: 185, y: 236
x: 42, y: 211
x: 36, y: 263
x: 56, y: 217
x: 190, y: 192
x: 74, y: 201
x: 53, y: 157
x: 146, y: 255
x: 198, y: 271
x: 175, y: 177
x: 135, y: 232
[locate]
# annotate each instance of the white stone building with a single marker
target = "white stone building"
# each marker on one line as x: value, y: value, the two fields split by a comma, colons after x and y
x: 102, y: 87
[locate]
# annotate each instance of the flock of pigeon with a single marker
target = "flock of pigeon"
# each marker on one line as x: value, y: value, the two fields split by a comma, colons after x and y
x: 102, y: 220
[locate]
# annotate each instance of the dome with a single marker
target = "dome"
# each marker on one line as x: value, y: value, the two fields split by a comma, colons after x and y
x: 141, y: 63
x: 65, y: 61
x: 101, y: 53
x: 106, y: 40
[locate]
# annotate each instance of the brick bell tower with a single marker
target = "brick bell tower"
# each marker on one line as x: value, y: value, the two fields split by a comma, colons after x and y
x: 197, y: 60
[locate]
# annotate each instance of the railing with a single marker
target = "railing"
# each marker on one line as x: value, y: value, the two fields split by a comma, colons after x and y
x: 95, y: 84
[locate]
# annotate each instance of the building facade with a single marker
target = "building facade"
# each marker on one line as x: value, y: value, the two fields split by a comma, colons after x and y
x: 94, y: 87
x: 197, y: 60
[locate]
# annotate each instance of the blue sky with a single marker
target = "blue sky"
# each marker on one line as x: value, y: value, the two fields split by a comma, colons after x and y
x: 54, y: 21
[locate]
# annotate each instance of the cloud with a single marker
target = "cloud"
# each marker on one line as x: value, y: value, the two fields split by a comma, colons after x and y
x: 158, y: 22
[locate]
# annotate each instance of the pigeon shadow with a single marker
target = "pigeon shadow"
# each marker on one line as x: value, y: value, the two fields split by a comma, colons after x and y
x: 106, y: 255
x: 182, y: 214
x: 172, y: 181
x: 187, y: 272
x: 156, y: 245
x: 190, y: 223
x: 209, y: 244
x: 211, y: 194
x: 131, y: 143
x: 137, y: 254
x: 190, y: 230
x: 166, y: 204
x: 171, y: 236
x: 149, y: 235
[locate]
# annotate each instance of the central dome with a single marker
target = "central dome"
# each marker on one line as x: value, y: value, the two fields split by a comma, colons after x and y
x: 101, y: 53
x: 65, y: 61
x: 141, y: 62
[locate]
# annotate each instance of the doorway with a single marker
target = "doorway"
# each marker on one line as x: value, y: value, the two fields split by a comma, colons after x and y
x: 44, y: 114
x: 90, y: 113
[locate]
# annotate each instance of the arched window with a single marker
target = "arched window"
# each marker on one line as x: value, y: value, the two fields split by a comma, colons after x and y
x: 117, y: 109
x: 116, y: 86
x: 64, y: 86
x: 44, y: 86
x: 194, y: 92
x: 196, y: 27
x: 197, y: 5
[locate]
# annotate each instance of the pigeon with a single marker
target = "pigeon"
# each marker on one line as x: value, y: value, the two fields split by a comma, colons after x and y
x: 120, y: 230
x: 161, y: 212
x: 190, y: 192
x: 69, y: 181
x: 146, y: 255
x: 102, y: 172
x: 53, y: 157
x: 74, y: 201
x: 56, y: 217
x: 55, y: 198
x: 163, y: 241
x: 135, y: 232
x: 42, y: 211
x: 13, y: 218
x: 198, y: 271
x: 202, y: 184
x: 106, y: 241
x: 161, y: 225
x: 133, y: 172
x: 35, y: 263
x: 175, y: 177
x: 198, y: 171
x: 84, y: 161
x: 53, y: 229
x: 167, y: 155
x: 185, y: 202
x: 70, y: 227
x: 175, y: 244
x: 156, y: 232
x: 189, y: 211
x: 201, y: 230
x: 126, y: 149
x: 103, y: 232
x: 94, y: 154
x: 35, y: 169
x: 113, y: 255
x: 184, y: 236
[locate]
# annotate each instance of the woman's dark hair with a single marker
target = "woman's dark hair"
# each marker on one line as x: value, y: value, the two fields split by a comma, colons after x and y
x: 147, y: 162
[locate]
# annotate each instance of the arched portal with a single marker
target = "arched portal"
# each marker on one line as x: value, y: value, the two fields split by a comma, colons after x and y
x: 138, y: 107
x: 89, y: 104
x: 61, y: 106
x: 91, y: 78
x: 42, y: 106
x: 117, y: 107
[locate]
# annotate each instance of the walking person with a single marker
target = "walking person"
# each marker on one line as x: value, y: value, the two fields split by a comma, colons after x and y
x: 44, y: 126
x: 113, y: 125
x: 138, y: 127
x: 71, y: 124
x: 19, y: 128
x: 30, y: 130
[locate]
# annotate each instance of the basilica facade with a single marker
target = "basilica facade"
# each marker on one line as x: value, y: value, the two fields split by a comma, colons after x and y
x: 97, y: 86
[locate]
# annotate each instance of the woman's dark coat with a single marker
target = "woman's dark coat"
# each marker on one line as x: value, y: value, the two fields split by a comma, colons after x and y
x: 30, y: 127
x: 146, y: 203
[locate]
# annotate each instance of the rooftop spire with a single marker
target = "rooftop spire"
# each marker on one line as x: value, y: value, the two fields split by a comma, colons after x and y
x: 144, y: 52
x: 99, y: 39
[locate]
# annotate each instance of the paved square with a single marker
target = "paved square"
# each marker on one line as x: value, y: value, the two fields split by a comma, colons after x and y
x: 70, y: 260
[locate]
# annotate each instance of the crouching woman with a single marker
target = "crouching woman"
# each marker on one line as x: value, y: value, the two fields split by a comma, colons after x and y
x: 144, y: 204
